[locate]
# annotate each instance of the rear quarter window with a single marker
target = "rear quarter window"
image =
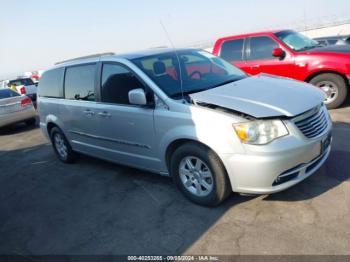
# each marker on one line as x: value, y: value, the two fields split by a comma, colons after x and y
x: 51, y: 83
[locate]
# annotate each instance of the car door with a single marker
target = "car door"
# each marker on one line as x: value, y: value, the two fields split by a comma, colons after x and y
x: 126, y: 132
x: 260, y: 59
x: 232, y: 52
x: 77, y: 115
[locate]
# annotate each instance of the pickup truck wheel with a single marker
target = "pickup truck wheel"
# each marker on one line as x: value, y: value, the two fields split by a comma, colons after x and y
x: 61, y: 146
x: 334, y: 86
x: 198, y: 172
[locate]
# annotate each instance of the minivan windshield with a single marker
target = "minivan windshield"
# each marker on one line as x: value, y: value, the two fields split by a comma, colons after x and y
x: 296, y: 41
x: 188, y: 71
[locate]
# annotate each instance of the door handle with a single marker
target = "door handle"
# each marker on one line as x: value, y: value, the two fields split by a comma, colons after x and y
x: 88, y: 112
x: 104, y: 114
x: 255, y: 66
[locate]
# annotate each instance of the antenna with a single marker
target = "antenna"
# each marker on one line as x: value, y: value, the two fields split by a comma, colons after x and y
x: 177, y: 55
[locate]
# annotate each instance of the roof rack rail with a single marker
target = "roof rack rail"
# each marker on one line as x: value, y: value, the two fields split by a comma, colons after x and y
x: 85, y: 57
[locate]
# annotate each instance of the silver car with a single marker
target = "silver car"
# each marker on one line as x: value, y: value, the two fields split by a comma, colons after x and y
x: 15, y: 108
x: 187, y: 114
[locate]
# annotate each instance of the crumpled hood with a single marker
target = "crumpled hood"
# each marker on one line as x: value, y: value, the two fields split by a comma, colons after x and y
x: 263, y: 96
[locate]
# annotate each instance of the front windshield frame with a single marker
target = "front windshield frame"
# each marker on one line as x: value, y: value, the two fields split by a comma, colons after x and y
x: 305, y: 43
x: 182, y: 86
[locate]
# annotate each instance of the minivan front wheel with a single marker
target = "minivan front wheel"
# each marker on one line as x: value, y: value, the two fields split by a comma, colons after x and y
x: 198, y: 172
x: 61, y: 146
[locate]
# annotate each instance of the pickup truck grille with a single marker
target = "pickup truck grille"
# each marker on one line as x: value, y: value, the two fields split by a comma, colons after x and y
x: 313, y: 123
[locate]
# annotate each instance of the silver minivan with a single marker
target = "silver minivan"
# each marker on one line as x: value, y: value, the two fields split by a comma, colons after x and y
x: 187, y: 114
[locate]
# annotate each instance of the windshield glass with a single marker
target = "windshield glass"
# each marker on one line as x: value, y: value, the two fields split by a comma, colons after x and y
x: 296, y: 41
x: 199, y: 71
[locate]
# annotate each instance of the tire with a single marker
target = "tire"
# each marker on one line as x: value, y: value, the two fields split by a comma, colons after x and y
x: 329, y: 82
x: 30, y: 122
x: 219, y: 187
x: 61, y: 146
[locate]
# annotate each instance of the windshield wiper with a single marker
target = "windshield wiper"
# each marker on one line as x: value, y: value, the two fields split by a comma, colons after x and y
x: 186, y: 93
x: 226, y: 82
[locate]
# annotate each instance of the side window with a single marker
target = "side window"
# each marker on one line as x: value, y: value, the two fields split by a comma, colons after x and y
x: 51, y: 83
x: 80, y: 82
x: 332, y: 41
x: 116, y: 83
x: 231, y: 50
x: 261, y: 48
x: 322, y: 42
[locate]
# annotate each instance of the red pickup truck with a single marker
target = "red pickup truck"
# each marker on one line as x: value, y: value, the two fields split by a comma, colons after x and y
x: 290, y: 54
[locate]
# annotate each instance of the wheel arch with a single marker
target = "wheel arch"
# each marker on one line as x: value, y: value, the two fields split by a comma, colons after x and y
x: 49, y: 127
x: 317, y: 73
x: 178, y: 143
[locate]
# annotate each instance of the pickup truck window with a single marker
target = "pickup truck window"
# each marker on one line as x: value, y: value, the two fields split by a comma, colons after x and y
x: 261, y: 48
x: 22, y: 82
x: 232, y: 50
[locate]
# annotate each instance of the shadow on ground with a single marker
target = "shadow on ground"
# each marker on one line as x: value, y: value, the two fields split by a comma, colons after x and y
x: 17, y: 128
x: 95, y: 207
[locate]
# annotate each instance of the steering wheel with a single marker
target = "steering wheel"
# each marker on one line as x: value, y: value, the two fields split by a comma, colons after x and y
x: 196, y: 73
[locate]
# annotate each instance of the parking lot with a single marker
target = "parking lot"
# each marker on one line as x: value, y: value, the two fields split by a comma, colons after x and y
x: 95, y: 207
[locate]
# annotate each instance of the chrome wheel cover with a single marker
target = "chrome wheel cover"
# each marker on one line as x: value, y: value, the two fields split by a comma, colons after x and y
x: 196, y: 176
x: 331, y: 90
x: 60, y: 145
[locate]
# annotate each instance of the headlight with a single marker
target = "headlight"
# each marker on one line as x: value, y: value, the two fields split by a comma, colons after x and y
x: 260, y: 132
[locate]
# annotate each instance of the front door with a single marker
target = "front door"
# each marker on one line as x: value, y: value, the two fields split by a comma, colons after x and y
x: 260, y: 58
x: 126, y: 132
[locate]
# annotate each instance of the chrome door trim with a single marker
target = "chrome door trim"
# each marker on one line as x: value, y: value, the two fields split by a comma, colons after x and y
x: 115, y: 151
x: 122, y: 142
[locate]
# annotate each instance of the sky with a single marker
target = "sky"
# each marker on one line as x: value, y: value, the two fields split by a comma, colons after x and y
x: 35, y: 34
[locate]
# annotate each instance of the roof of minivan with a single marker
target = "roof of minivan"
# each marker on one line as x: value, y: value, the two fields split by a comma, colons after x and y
x: 129, y: 56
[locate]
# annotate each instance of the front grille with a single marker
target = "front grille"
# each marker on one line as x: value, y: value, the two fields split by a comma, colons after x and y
x: 314, y: 123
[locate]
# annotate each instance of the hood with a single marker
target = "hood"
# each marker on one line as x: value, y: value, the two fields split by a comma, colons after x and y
x: 263, y: 96
x: 331, y: 48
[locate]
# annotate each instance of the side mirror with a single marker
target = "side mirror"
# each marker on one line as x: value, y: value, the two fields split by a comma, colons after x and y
x: 137, y: 97
x: 278, y: 52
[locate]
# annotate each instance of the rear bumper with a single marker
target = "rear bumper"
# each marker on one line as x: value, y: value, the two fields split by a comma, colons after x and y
x: 274, y: 171
x: 18, y: 116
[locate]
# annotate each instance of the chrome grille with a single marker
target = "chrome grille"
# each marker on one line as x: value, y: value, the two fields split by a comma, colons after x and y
x: 313, y: 123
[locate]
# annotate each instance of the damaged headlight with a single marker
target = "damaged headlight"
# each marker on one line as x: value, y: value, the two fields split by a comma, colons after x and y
x: 260, y: 132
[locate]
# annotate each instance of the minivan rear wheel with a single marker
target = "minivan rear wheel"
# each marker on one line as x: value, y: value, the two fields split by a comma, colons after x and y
x: 334, y: 86
x: 198, y: 172
x: 61, y: 146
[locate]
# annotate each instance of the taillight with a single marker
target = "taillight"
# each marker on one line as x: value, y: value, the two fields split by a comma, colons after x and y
x: 26, y: 101
x: 22, y: 90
